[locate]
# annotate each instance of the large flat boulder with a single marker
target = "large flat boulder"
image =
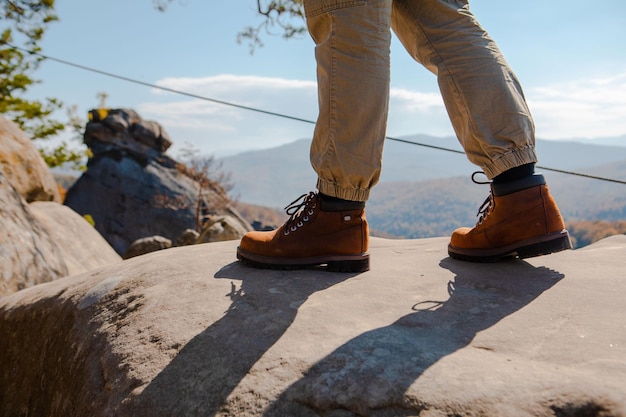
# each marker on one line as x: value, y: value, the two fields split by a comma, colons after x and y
x: 189, y: 331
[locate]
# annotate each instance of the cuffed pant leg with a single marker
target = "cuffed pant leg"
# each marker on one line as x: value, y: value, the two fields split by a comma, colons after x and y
x: 352, y: 40
x: 482, y: 95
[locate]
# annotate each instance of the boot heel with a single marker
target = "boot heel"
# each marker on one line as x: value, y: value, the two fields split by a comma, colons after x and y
x: 360, y: 265
x: 543, y: 248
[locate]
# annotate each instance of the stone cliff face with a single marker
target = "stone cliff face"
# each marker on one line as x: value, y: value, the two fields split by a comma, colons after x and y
x: 133, y: 190
x: 191, y: 332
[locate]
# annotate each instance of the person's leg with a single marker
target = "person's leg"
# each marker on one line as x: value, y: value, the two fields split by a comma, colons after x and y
x: 352, y: 52
x: 489, y: 114
x: 481, y: 93
x: 352, y: 40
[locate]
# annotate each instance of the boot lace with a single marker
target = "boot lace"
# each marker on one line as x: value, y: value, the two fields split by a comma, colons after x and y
x: 300, y: 211
x: 488, y: 205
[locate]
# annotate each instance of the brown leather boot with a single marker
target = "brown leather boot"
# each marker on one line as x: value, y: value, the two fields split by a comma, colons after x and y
x: 517, y: 219
x: 311, y: 237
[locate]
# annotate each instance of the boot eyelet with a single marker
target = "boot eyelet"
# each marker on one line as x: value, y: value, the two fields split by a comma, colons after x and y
x: 305, y: 218
x: 293, y: 228
x: 300, y: 224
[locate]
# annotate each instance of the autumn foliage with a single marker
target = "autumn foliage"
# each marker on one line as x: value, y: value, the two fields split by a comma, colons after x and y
x: 584, y: 233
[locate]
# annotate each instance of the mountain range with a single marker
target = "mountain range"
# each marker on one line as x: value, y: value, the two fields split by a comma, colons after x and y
x: 426, y: 192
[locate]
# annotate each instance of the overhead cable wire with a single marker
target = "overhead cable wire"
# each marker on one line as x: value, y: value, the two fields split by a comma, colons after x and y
x: 159, y: 87
x: 271, y: 113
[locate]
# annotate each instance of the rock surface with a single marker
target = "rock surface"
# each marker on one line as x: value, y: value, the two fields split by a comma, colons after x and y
x: 133, y: 190
x: 190, y: 331
x: 28, y: 256
x: 220, y: 228
x: 82, y: 247
x: 23, y: 166
x: 146, y: 245
x: 124, y: 128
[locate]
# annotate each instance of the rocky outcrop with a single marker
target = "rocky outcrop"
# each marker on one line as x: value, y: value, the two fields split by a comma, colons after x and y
x: 189, y: 331
x: 125, y: 129
x: 188, y: 237
x: 23, y: 166
x: 133, y: 190
x: 41, y: 241
x: 146, y: 245
x: 220, y: 228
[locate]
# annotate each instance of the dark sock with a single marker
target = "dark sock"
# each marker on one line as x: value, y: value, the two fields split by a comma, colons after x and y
x: 514, y: 174
x: 338, y: 204
x: 516, y: 179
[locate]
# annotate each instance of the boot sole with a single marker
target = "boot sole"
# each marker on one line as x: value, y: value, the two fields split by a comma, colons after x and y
x: 332, y: 263
x: 537, y: 246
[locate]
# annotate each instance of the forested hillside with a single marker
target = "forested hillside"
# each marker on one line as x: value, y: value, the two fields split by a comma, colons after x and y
x: 592, y: 209
x: 274, y: 177
x: 582, y: 233
x: 437, y: 207
x: 427, y: 192
x: 585, y: 233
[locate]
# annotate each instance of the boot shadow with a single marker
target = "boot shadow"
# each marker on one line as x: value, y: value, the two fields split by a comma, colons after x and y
x: 373, y: 371
x: 205, y: 371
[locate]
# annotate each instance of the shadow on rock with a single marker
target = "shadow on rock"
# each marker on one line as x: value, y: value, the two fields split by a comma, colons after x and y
x: 370, y: 374
x: 211, y: 365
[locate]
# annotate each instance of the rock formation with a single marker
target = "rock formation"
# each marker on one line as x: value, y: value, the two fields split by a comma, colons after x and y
x: 81, y: 246
x: 23, y: 166
x: 189, y: 331
x: 28, y: 255
x: 41, y: 241
x: 133, y: 190
x: 146, y: 245
x: 220, y: 228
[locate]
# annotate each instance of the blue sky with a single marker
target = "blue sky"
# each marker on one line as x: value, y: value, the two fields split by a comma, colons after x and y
x: 569, y: 56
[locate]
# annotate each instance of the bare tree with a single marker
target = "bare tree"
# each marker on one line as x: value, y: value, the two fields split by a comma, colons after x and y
x: 213, y: 183
x: 278, y: 17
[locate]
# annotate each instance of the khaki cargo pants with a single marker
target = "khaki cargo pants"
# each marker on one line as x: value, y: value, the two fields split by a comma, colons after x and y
x: 481, y: 93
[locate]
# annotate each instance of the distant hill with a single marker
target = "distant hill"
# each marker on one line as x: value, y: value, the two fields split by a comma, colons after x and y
x: 426, y: 192
x: 274, y: 177
x: 611, y: 141
x: 437, y: 207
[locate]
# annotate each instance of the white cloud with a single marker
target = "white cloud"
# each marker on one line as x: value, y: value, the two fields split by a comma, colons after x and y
x: 412, y: 112
x: 234, y: 85
x: 415, y: 100
x: 586, y: 108
x: 580, y: 108
x: 220, y: 128
x: 193, y: 114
